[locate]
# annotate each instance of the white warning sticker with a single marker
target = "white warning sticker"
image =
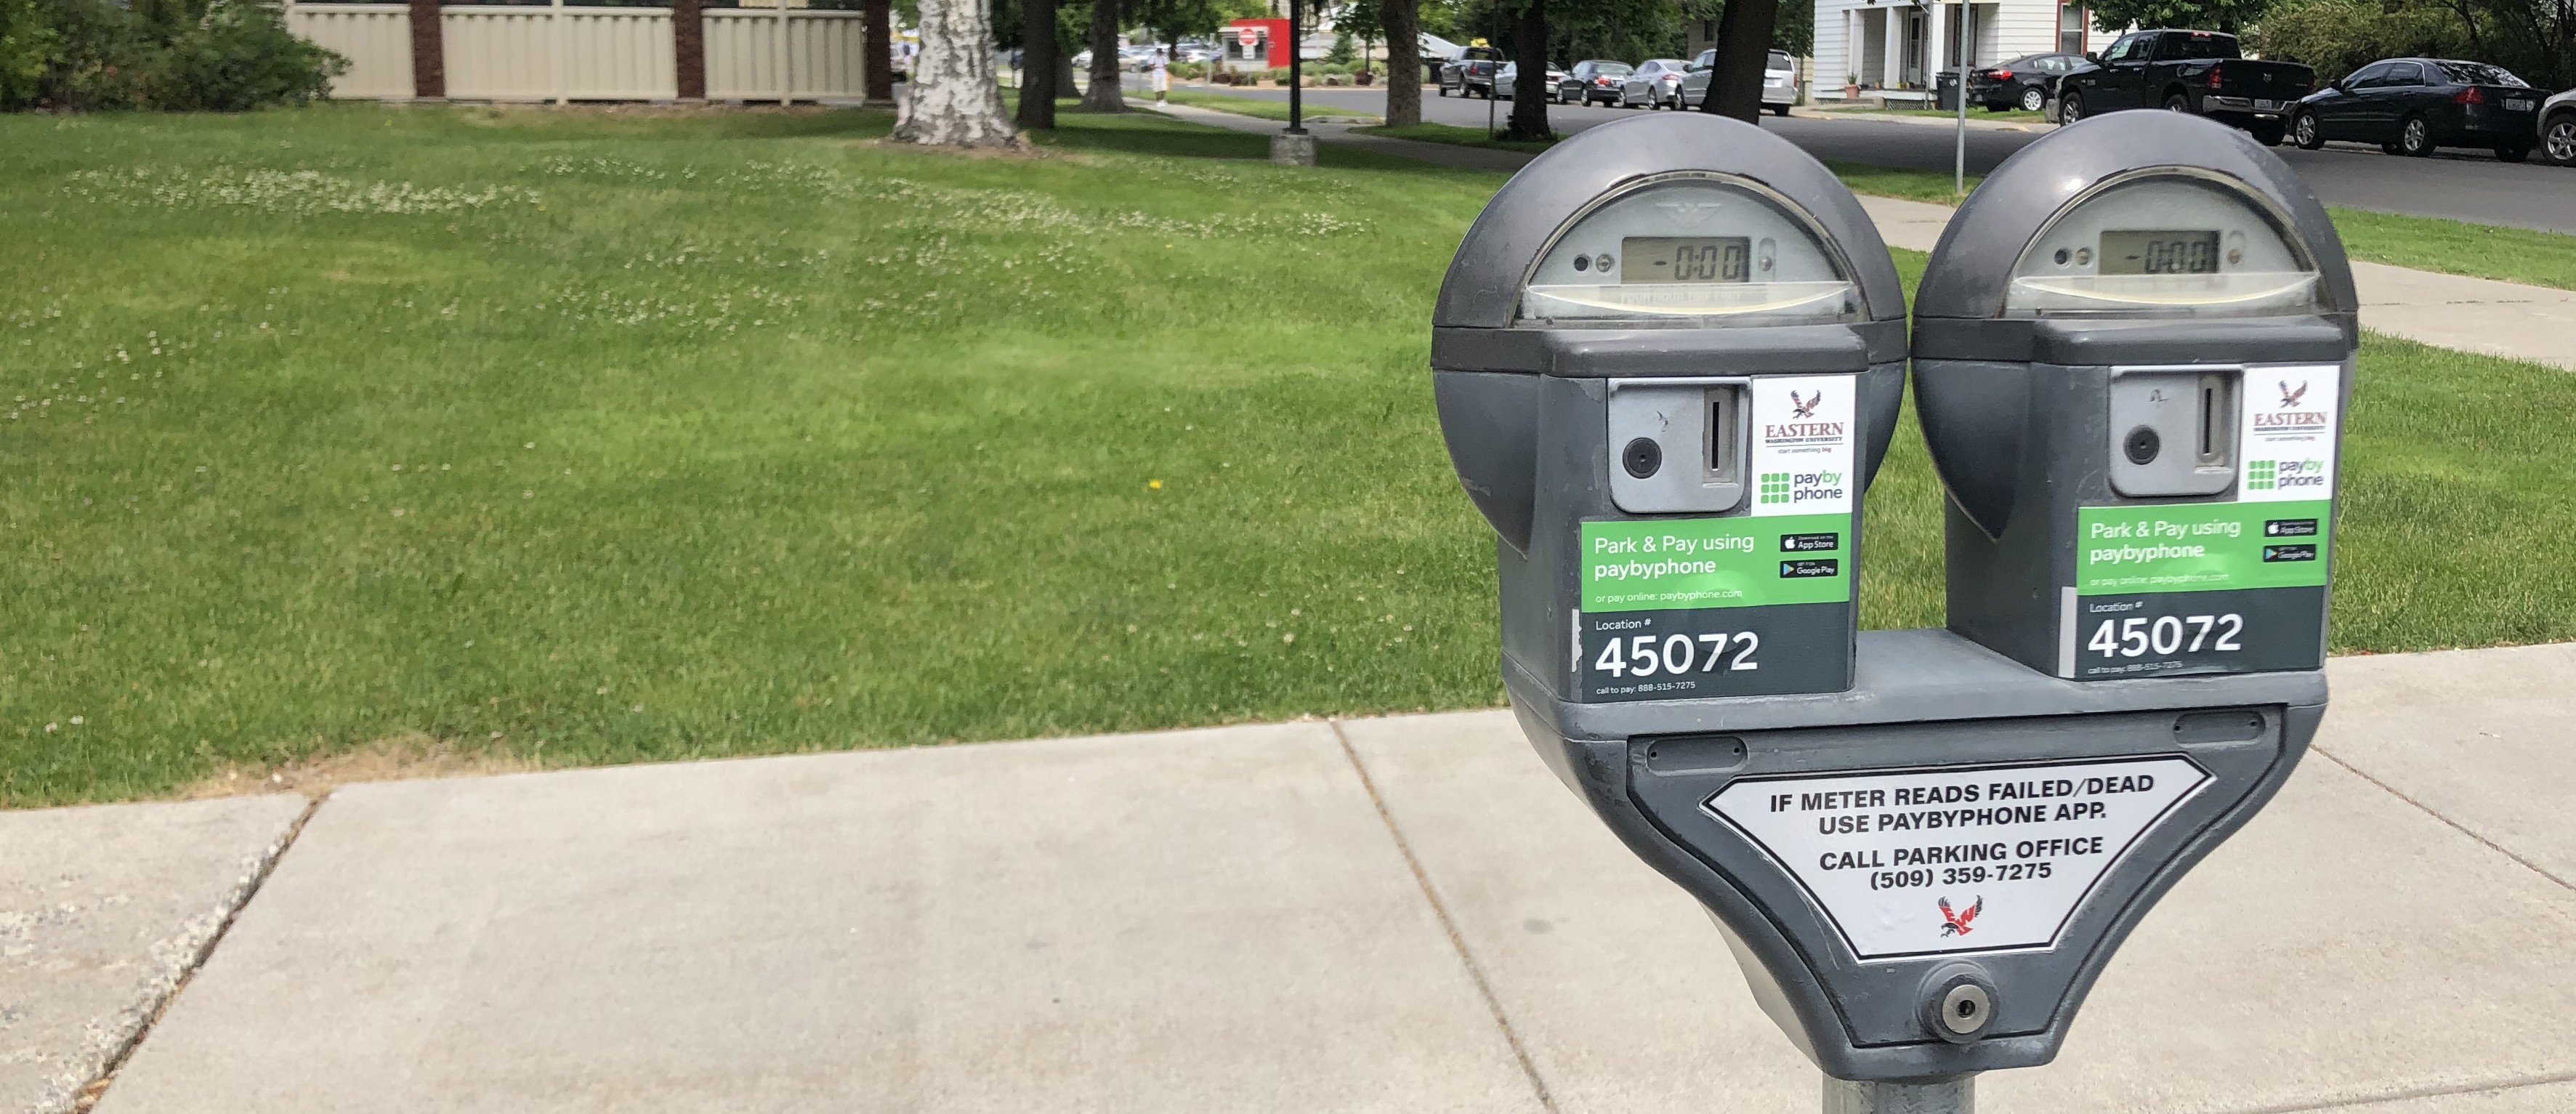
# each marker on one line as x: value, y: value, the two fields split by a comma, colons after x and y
x: 1956, y: 858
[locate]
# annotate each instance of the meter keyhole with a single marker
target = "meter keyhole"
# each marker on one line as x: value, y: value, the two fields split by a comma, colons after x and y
x: 1643, y: 457
x: 2141, y: 445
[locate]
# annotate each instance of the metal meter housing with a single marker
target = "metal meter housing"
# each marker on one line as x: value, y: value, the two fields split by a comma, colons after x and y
x: 2133, y: 349
x: 1668, y: 357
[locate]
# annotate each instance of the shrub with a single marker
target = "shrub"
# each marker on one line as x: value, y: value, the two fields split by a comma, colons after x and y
x: 183, y: 55
x: 1279, y: 75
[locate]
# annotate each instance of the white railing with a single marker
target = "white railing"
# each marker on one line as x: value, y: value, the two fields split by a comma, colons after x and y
x: 565, y: 53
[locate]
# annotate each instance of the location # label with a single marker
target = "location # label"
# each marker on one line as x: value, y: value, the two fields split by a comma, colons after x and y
x: 1959, y: 858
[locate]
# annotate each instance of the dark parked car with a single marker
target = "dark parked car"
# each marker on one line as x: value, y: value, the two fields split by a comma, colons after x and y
x: 1471, y: 72
x: 2185, y: 71
x: 2409, y: 106
x: 1655, y: 83
x: 2022, y: 83
x: 1593, y: 80
x: 1779, y: 81
x: 2558, y: 129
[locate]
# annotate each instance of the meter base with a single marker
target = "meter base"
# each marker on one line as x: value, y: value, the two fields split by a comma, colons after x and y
x: 1939, y: 1096
x: 1927, y: 703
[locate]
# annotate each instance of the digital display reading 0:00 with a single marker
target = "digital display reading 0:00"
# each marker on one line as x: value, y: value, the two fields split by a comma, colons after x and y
x: 2159, y: 252
x: 1685, y: 259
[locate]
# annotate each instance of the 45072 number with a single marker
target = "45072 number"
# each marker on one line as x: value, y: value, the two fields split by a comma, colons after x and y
x: 1645, y: 655
x: 2166, y: 634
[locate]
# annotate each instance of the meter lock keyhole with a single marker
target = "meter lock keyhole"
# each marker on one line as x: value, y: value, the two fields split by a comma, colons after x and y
x: 1642, y: 458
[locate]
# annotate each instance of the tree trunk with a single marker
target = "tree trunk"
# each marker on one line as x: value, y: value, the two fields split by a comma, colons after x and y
x: 954, y: 101
x: 689, y: 48
x: 880, y: 61
x: 1103, y: 94
x: 1743, y: 52
x: 1403, y: 22
x: 1038, y: 64
x: 428, y: 52
x: 1530, y: 94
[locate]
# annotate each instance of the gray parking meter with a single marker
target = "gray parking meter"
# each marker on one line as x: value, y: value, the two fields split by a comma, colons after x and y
x: 1921, y: 851
x: 2132, y: 352
x: 1668, y: 355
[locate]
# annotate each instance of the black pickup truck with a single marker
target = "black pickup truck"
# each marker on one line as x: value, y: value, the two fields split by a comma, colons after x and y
x: 2185, y: 71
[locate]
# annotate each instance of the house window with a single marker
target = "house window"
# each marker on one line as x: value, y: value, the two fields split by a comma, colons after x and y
x: 2070, y: 29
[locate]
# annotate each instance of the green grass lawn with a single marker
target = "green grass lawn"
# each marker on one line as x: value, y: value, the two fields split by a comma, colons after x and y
x: 582, y: 437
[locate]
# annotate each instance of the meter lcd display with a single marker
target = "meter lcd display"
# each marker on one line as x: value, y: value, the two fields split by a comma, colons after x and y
x: 2159, y: 252
x: 1685, y: 259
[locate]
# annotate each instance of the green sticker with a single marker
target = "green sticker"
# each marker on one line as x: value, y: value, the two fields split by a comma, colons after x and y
x: 2200, y: 547
x: 1670, y: 564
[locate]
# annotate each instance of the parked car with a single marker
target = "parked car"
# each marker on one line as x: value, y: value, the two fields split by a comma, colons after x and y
x: 1779, y: 81
x: 1471, y: 72
x: 2410, y: 106
x: 1508, y: 79
x: 1655, y: 83
x: 2022, y: 83
x: 2199, y: 72
x: 2558, y: 129
x: 1596, y: 79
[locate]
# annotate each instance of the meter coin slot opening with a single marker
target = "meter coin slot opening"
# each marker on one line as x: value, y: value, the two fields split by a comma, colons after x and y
x: 1660, y: 428
x: 2173, y: 432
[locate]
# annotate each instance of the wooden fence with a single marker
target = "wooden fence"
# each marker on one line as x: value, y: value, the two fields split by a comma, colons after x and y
x: 564, y: 53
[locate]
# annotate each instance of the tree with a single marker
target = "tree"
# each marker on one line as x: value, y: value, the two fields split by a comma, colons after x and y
x: 2114, y: 16
x: 1744, y: 32
x: 1530, y: 94
x: 2536, y: 39
x: 1102, y: 93
x: 1040, y: 58
x: 1401, y: 20
x: 955, y: 100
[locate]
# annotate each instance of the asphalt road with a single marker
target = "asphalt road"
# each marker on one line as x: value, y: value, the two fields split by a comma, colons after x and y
x: 2468, y: 186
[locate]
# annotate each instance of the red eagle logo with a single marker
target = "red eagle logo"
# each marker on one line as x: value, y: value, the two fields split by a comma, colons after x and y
x: 1955, y: 923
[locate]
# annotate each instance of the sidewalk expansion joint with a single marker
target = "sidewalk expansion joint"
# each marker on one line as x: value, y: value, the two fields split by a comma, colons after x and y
x: 1448, y: 924
x: 2454, y: 825
x: 96, y: 1089
x: 2411, y: 1094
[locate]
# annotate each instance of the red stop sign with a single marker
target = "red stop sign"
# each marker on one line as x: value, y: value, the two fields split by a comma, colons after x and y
x: 1249, y: 36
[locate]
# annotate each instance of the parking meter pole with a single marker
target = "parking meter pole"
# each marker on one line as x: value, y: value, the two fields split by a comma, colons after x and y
x: 1943, y: 1096
x: 1296, y: 78
x: 1967, y: 54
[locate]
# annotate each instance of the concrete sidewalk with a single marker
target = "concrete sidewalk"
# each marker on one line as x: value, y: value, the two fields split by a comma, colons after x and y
x: 2512, y: 320
x: 1401, y: 914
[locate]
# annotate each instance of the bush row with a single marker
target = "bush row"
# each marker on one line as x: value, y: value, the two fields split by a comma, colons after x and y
x: 184, y: 55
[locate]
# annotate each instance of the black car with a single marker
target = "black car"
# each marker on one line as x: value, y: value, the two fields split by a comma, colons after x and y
x: 2199, y: 72
x: 2022, y: 83
x: 2409, y: 106
x: 1593, y: 80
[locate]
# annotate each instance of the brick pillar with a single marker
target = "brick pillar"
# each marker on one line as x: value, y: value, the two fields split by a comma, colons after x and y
x: 689, y: 48
x: 428, y: 52
x: 880, y: 51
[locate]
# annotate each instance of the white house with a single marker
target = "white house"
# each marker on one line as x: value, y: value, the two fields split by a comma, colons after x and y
x: 1891, y: 48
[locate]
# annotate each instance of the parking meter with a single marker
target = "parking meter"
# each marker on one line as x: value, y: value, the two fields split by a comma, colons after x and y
x: 1668, y: 356
x: 2132, y: 351
x: 1921, y: 850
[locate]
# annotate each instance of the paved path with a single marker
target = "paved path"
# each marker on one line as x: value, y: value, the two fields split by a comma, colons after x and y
x: 102, y: 912
x: 2457, y: 185
x: 1405, y: 914
x: 2535, y: 323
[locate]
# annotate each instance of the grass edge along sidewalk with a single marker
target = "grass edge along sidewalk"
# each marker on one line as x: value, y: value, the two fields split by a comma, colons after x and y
x: 2437, y: 244
x: 570, y: 438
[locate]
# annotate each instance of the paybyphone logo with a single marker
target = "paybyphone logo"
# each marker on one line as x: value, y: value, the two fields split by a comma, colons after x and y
x: 1775, y: 487
x: 2276, y: 475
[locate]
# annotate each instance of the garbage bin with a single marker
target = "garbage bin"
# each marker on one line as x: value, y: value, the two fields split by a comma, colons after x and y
x: 1945, y: 91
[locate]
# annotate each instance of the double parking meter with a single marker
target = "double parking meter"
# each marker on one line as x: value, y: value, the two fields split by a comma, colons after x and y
x: 1666, y: 363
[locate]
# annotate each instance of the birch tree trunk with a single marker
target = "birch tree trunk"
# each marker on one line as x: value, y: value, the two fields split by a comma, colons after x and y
x: 954, y: 100
x: 1103, y: 94
x: 1403, y: 22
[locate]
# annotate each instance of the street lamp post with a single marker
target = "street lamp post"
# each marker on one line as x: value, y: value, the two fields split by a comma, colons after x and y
x: 1294, y: 145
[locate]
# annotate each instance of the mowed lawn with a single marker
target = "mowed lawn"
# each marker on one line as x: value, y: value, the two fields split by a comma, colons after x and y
x: 584, y: 437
